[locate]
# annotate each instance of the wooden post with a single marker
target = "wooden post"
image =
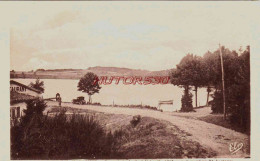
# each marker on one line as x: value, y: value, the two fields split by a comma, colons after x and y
x: 223, y: 82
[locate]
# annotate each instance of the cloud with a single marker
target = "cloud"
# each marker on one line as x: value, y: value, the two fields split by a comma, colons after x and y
x: 152, y: 37
x: 61, y: 19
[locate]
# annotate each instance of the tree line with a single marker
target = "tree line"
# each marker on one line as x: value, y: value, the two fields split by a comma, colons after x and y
x: 195, y: 72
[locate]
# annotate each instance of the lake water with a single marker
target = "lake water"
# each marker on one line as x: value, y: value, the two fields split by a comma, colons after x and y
x: 121, y: 94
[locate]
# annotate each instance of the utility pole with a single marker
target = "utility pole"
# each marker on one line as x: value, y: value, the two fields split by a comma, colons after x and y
x: 223, y: 82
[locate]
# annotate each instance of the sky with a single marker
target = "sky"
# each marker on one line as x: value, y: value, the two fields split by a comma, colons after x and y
x: 150, y: 36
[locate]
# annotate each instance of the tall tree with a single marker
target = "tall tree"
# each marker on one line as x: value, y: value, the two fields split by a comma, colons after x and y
x: 39, y: 85
x: 212, y: 72
x: 89, y: 85
x: 178, y: 79
x: 239, y: 91
x: 206, y: 72
x: 189, y: 72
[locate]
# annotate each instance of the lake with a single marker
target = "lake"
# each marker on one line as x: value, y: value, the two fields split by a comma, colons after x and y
x: 121, y: 94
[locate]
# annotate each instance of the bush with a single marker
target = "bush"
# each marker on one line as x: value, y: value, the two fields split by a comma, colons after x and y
x: 135, y: 120
x: 186, y: 101
x: 63, y: 137
x: 33, y: 112
x: 60, y: 136
x: 217, y: 102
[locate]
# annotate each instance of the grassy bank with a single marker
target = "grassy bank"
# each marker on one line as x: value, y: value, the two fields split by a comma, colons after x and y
x: 153, y: 139
x: 205, y: 114
x: 218, y: 119
x: 81, y: 133
x: 150, y: 138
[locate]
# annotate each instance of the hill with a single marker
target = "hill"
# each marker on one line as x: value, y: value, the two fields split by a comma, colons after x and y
x: 78, y: 73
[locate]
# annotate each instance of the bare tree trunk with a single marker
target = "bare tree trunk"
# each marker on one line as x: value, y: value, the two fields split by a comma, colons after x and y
x: 208, y: 90
x: 89, y: 99
x: 196, y: 94
x: 207, y: 103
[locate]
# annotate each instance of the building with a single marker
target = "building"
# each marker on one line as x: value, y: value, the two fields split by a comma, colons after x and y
x: 19, y: 94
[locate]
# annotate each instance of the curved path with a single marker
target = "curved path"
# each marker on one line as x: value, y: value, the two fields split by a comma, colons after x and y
x: 208, y: 135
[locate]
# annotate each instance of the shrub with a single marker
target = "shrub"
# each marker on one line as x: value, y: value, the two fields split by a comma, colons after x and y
x: 63, y: 137
x: 217, y: 102
x: 57, y: 109
x: 60, y: 137
x: 135, y: 120
x: 33, y: 112
x: 186, y: 101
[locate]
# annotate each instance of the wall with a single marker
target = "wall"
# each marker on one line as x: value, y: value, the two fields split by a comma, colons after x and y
x: 22, y: 106
x: 23, y: 90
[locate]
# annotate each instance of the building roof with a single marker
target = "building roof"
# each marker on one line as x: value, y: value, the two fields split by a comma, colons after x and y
x: 16, y: 97
x: 25, y: 86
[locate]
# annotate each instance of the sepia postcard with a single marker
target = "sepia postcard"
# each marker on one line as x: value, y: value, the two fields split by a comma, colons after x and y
x: 133, y: 80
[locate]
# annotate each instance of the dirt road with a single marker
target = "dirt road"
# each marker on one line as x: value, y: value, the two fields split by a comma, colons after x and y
x: 208, y: 135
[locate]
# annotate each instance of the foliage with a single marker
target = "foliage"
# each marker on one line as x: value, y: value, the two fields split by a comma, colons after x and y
x: 22, y: 133
x: 82, y: 137
x: 61, y: 137
x: 189, y: 72
x: 239, y: 92
x: 212, y: 68
x: 217, y: 103
x: 39, y: 85
x: 237, y: 84
x: 88, y: 84
x: 34, y: 110
x: 206, y: 72
x: 186, y: 100
x: 135, y: 120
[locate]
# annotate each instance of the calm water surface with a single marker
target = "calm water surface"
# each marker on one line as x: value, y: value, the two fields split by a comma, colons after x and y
x: 120, y: 94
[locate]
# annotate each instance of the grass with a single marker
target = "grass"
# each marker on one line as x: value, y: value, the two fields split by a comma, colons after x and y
x: 218, y: 119
x: 95, y: 135
x: 57, y: 109
x: 62, y: 137
x: 136, y: 106
x: 153, y: 139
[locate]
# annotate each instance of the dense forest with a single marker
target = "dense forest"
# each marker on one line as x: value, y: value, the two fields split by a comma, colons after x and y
x: 194, y: 72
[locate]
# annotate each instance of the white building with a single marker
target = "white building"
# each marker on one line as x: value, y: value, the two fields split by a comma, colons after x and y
x: 19, y: 94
